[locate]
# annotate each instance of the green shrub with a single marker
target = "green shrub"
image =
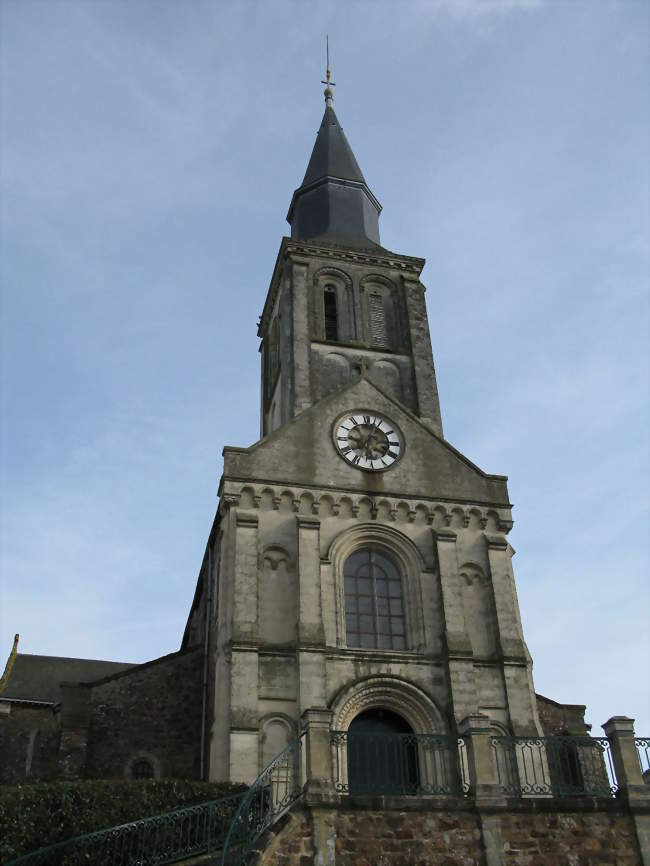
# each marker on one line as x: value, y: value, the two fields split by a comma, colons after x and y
x: 32, y: 816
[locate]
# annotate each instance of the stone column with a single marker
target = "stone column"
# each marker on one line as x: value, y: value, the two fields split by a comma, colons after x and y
x: 310, y: 619
x: 244, y: 661
x: 458, y: 644
x: 244, y: 627
x: 484, y: 786
x: 317, y: 723
x: 620, y: 733
x: 425, y: 377
x: 481, y: 761
x: 300, y: 390
x: 517, y: 664
x: 311, y: 635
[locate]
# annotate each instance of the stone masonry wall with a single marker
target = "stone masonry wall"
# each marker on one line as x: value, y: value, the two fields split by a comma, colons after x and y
x: 152, y: 711
x: 380, y: 838
x: 587, y: 839
x: 29, y: 742
x: 559, y: 718
x: 451, y: 837
x: 407, y: 839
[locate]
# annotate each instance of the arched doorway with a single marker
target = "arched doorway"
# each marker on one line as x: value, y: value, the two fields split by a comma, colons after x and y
x: 382, y: 754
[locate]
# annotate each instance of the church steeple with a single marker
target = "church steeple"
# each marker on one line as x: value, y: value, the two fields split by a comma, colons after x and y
x: 334, y: 202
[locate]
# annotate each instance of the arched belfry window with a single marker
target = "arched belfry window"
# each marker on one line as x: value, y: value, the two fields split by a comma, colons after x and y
x: 331, y: 313
x: 374, y: 612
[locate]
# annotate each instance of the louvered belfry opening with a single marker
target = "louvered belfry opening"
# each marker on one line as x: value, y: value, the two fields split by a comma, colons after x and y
x: 377, y: 319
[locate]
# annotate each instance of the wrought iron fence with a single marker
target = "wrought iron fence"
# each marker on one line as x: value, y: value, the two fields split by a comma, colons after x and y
x: 559, y: 766
x: 399, y: 764
x: 643, y: 752
x: 151, y: 841
x: 274, y: 790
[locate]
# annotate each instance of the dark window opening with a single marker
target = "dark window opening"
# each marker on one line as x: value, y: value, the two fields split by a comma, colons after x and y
x: 564, y: 764
x: 382, y: 754
x: 374, y: 613
x: 142, y: 769
x: 331, y: 318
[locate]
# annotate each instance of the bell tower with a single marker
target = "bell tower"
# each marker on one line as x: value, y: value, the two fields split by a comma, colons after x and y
x: 358, y: 564
x: 323, y: 324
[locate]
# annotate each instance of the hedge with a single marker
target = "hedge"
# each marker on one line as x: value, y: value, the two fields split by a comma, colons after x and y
x: 32, y: 816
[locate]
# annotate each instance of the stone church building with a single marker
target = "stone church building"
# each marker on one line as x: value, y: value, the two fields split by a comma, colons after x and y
x: 357, y: 578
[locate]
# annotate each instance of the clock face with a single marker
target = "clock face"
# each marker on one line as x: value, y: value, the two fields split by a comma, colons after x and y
x: 368, y: 440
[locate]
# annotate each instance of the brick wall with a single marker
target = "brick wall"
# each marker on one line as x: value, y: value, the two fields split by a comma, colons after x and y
x: 153, y: 710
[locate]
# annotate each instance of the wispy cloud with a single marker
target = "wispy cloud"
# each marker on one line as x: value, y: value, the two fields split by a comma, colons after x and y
x: 472, y: 10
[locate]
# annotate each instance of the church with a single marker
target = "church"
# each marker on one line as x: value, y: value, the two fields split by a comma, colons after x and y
x: 356, y: 589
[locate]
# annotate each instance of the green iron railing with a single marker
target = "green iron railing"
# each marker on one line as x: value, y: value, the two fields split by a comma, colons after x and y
x: 399, y: 764
x: 153, y: 841
x: 559, y: 766
x: 275, y: 789
x: 643, y: 753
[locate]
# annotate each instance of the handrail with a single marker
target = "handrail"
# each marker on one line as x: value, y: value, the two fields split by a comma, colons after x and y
x: 399, y: 764
x: 158, y: 839
x: 275, y: 789
x: 556, y: 766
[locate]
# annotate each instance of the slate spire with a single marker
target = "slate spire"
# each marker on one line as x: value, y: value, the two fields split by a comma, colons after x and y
x: 334, y: 202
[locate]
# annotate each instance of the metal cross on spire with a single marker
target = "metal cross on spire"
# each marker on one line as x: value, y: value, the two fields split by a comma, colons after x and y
x: 328, y: 80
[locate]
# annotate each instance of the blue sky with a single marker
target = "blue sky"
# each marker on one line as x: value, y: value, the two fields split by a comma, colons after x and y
x: 149, y: 150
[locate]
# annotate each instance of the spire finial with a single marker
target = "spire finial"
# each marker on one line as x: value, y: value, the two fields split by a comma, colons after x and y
x: 329, y: 96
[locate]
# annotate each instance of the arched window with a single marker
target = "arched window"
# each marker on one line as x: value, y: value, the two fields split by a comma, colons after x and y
x: 374, y: 614
x: 142, y: 769
x: 331, y: 315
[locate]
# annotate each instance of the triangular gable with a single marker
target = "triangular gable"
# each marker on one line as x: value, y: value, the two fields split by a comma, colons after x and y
x: 301, y: 453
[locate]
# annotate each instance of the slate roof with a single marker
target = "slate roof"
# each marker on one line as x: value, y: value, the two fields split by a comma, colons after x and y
x: 334, y: 201
x: 332, y: 155
x: 39, y: 678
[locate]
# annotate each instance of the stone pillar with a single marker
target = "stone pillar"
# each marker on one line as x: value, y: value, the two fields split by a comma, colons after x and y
x: 484, y: 786
x: 310, y: 619
x: 425, y: 376
x: 480, y: 756
x: 317, y: 723
x: 517, y: 664
x: 458, y: 644
x: 244, y: 626
x: 244, y: 662
x: 620, y: 733
x: 300, y: 389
